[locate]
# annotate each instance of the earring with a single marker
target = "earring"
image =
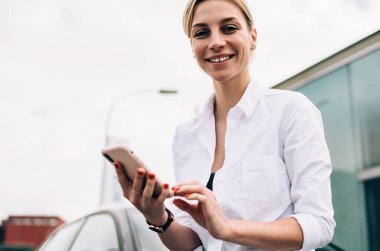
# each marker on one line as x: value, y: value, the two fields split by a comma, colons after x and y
x: 253, y: 48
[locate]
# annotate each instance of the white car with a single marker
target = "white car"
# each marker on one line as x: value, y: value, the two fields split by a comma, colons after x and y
x: 111, y: 228
x: 115, y: 227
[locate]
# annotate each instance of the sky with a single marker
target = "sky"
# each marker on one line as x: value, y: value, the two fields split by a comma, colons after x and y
x: 70, y: 69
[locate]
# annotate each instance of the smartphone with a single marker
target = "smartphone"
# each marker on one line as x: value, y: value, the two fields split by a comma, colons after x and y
x: 130, y: 162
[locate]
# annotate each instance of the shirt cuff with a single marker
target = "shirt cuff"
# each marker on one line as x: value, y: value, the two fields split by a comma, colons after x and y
x: 311, y: 231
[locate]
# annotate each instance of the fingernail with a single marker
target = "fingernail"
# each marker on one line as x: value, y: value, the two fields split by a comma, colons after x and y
x: 166, y: 186
x: 187, y: 195
x: 140, y: 172
x: 151, y: 176
x: 176, y: 189
x: 173, y: 188
x: 117, y: 165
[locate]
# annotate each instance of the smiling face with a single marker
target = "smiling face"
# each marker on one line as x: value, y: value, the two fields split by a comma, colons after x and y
x: 222, y: 41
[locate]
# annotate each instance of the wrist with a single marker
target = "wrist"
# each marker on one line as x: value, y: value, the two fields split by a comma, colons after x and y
x: 227, y: 231
x: 162, y: 228
x: 158, y: 220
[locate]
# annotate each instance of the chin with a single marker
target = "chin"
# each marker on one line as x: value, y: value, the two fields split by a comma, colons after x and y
x: 218, y: 75
x: 221, y: 77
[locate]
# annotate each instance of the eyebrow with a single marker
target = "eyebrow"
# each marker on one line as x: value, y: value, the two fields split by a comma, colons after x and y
x: 225, y: 20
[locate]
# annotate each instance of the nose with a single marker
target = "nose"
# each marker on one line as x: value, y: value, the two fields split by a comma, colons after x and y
x: 216, y: 41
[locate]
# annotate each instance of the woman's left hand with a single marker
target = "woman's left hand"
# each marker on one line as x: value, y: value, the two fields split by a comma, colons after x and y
x: 206, y: 212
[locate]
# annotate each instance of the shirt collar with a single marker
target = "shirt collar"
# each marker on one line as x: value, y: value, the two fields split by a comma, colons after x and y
x: 208, y: 109
x: 246, y: 104
x: 250, y: 98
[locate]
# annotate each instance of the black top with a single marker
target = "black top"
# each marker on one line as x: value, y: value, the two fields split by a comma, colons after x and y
x: 210, y: 181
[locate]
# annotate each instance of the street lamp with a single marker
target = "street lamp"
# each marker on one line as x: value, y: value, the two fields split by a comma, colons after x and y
x: 117, y: 101
x: 109, y: 116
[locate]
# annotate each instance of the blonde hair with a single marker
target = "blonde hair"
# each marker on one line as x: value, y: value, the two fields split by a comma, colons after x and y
x: 188, y: 14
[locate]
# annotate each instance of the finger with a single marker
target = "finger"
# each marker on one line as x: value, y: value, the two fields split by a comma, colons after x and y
x: 188, y: 189
x: 183, y: 205
x: 209, y: 208
x: 149, y: 186
x: 138, y: 182
x: 164, y: 193
x: 198, y: 197
x: 124, y: 181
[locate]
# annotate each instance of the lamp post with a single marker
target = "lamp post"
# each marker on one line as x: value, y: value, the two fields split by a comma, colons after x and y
x: 109, y: 116
x: 121, y: 98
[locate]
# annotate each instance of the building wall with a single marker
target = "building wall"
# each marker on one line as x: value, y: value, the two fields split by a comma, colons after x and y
x: 349, y: 100
x: 29, y: 230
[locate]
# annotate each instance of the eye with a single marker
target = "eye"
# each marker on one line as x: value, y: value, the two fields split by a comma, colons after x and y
x: 201, y: 33
x: 230, y: 28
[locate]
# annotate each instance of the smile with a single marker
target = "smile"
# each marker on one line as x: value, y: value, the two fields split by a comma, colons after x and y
x: 220, y: 59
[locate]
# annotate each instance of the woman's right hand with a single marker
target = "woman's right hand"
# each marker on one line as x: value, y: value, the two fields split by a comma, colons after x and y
x: 141, y: 197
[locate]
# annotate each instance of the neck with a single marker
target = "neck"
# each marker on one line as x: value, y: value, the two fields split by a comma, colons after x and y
x: 227, y: 95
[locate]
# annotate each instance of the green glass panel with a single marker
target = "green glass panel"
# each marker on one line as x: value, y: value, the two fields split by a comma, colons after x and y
x: 365, y: 74
x: 373, y: 205
x: 366, y: 92
x: 330, y: 94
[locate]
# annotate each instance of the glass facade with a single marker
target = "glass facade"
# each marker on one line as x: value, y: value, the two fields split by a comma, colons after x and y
x: 373, y: 205
x: 349, y: 100
x: 365, y: 74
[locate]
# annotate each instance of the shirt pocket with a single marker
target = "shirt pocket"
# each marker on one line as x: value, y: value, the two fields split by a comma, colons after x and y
x: 260, y: 179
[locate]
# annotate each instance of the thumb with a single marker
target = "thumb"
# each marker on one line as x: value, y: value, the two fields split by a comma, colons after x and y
x: 184, y: 206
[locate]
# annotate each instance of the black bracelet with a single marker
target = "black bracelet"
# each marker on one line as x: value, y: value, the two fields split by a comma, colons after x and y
x: 164, y: 227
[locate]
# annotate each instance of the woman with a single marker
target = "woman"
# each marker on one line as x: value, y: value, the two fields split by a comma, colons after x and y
x: 261, y: 153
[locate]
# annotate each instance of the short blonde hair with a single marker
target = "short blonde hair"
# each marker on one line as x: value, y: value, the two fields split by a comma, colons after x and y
x: 188, y: 14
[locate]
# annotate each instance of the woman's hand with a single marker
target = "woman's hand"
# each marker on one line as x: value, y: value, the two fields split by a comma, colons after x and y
x: 206, y: 212
x: 141, y: 197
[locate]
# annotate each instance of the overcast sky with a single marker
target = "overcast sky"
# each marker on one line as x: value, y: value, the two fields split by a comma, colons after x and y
x: 63, y: 63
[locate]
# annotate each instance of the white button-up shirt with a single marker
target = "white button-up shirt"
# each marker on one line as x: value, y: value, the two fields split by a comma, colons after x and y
x: 276, y: 165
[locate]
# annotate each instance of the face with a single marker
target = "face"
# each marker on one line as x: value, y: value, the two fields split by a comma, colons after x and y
x: 221, y: 40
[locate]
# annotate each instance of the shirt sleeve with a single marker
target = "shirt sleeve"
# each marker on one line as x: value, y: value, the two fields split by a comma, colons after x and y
x: 309, y: 168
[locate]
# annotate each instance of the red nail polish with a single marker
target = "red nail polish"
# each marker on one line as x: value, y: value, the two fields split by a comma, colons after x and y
x: 176, y: 189
x: 117, y: 165
x: 166, y: 186
x: 140, y: 172
x: 151, y: 176
x: 187, y: 195
x: 173, y: 188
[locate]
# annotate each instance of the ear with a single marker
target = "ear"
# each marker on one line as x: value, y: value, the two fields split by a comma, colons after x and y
x: 253, y: 38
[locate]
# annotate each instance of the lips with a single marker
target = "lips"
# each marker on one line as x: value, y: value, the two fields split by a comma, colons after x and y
x: 220, y: 58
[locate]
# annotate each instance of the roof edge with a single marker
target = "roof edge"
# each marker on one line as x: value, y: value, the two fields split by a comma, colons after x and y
x: 333, y: 62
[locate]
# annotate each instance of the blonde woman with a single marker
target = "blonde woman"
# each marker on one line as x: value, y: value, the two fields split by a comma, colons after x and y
x: 253, y: 169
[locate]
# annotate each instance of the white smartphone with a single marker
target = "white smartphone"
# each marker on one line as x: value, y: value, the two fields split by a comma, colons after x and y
x: 130, y: 162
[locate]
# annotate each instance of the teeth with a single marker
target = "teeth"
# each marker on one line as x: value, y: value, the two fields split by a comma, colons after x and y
x: 217, y: 60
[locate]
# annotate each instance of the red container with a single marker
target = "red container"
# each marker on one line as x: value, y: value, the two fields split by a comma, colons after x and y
x: 29, y: 230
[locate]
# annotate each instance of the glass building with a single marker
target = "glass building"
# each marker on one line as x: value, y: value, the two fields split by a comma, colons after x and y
x: 346, y: 89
